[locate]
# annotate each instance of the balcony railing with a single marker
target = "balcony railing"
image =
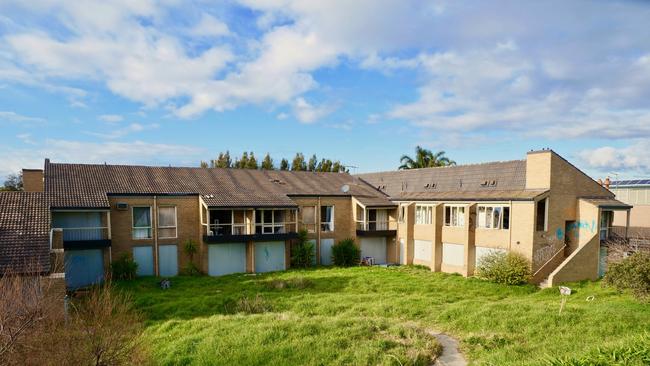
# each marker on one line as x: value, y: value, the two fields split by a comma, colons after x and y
x: 227, y: 229
x: 85, y: 233
x: 253, y: 229
x: 377, y: 225
x: 276, y: 228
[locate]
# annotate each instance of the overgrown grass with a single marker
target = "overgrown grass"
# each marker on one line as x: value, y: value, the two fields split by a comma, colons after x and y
x: 365, y: 315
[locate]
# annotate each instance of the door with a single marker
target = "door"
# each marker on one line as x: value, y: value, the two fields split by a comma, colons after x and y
x: 83, y: 267
x: 168, y: 260
x: 227, y: 258
x: 326, y: 251
x: 269, y: 256
x: 375, y: 248
x: 143, y: 256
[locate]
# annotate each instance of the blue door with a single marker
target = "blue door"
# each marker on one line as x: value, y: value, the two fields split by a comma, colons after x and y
x: 83, y: 267
x: 326, y: 251
x: 269, y: 256
x: 227, y: 258
x: 168, y: 260
x: 143, y: 256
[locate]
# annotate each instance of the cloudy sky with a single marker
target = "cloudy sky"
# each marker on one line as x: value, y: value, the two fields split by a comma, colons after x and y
x: 363, y: 81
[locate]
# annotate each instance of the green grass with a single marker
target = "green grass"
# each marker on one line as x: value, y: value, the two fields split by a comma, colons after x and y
x: 368, y: 315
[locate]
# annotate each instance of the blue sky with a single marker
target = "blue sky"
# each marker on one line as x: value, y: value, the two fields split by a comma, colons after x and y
x: 170, y: 82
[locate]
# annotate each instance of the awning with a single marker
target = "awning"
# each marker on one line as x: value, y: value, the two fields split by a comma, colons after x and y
x: 608, y: 203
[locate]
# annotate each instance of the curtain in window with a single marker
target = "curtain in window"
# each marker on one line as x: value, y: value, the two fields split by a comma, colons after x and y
x: 327, y: 220
x: 309, y: 215
x: 141, y: 222
x: 166, y: 216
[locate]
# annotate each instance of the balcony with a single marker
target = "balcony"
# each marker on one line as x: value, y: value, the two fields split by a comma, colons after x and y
x: 376, y: 228
x: 86, y: 237
x: 228, y: 226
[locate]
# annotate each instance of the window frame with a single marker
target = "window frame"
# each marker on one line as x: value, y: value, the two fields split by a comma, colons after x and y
x: 330, y: 223
x: 175, y: 227
x: 457, y: 208
x: 133, y: 227
x: 501, y: 216
x: 402, y: 213
x: 428, y: 214
x: 546, y: 204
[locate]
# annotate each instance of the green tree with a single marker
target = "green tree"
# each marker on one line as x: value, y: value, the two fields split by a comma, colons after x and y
x: 302, y: 252
x: 298, y: 163
x: 203, y: 164
x: 284, y: 164
x: 223, y: 161
x: 267, y: 163
x: 252, y: 162
x: 313, y: 163
x: 325, y: 165
x: 14, y: 182
x: 337, y: 167
x: 242, y: 162
x: 425, y: 158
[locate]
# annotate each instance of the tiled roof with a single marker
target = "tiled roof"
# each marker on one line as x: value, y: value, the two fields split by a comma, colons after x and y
x: 608, y: 203
x: 24, y: 232
x: 504, y: 180
x: 86, y: 185
x: 486, y: 195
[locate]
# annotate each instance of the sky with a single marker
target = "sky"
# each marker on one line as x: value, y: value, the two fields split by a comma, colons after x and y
x: 361, y: 81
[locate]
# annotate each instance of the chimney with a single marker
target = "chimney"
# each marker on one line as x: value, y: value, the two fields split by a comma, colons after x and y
x: 33, y: 180
x: 607, y: 182
x: 600, y: 181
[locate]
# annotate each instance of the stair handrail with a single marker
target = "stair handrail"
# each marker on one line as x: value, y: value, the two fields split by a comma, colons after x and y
x: 549, y: 260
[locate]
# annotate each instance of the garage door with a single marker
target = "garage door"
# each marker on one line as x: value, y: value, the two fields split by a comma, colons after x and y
x: 269, y: 256
x: 326, y: 251
x: 227, y: 258
x: 143, y: 256
x: 422, y: 251
x: 453, y: 254
x: 374, y: 247
x: 168, y: 260
x: 483, y: 251
x: 83, y: 267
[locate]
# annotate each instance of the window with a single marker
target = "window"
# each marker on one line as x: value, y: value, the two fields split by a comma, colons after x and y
x: 423, y: 214
x: 167, y: 222
x: 455, y: 216
x: 141, y: 222
x: 493, y: 217
x: 309, y: 218
x: 327, y: 218
x: 272, y: 222
x: 402, y: 213
x: 541, y: 221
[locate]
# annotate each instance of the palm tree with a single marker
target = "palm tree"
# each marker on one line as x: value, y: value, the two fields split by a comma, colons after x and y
x: 425, y: 158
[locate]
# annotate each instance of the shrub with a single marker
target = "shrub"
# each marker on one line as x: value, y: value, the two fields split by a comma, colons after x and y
x: 292, y: 283
x: 124, y: 268
x: 505, y: 268
x: 302, y: 253
x: 190, y: 249
x: 255, y: 305
x: 632, y: 273
x: 345, y: 253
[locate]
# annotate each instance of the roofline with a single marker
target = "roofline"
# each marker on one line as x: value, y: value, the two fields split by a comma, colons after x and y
x: 360, y: 175
x: 113, y: 194
x: 79, y: 208
x: 468, y: 199
x: 250, y: 207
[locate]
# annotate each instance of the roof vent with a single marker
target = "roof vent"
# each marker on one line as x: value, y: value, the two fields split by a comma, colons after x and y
x: 277, y: 181
x: 122, y: 206
x: 493, y: 183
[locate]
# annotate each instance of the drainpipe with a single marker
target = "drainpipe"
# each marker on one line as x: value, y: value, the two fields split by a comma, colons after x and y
x: 510, y: 227
x: 317, y: 216
x: 154, y: 226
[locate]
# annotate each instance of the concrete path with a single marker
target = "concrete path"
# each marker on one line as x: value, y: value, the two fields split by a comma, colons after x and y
x: 450, y: 356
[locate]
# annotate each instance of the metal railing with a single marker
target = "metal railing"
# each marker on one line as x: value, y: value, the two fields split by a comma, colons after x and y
x: 85, y: 233
x: 376, y: 225
x: 276, y: 228
x: 227, y: 229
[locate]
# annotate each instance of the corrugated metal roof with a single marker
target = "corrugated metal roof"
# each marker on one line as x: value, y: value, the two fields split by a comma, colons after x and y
x: 24, y: 232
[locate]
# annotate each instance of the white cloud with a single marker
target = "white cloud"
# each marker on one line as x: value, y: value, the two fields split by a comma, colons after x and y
x: 209, y: 26
x: 309, y: 113
x: 111, y: 118
x: 633, y: 158
x: 126, y: 130
x: 10, y: 116
x: 135, y: 152
x: 26, y: 138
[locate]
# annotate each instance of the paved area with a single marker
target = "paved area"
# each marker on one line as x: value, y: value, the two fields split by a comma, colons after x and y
x: 451, y: 356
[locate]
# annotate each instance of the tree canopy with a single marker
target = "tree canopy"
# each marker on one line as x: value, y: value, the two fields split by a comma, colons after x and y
x: 298, y: 163
x: 425, y: 158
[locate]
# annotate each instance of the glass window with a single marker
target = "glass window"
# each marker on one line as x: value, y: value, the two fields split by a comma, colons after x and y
x: 327, y: 218
x: 141, y: 222
x: 423, y: 214
x: 309, y: 215
x: 493, y: 217
x: 506, y: 218
x: 455, y: 216
x: 402, y: 213
x: 167, y: 222
x: 541, y: 219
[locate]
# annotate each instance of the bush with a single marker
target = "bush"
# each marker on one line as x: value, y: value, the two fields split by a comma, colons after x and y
x: 190, y: 249
x: 632, y: 273
x: 248, y: 305
x: 345, y: 253
x: 505, y: 268
x: 302, y: 253
x: 124, y: 268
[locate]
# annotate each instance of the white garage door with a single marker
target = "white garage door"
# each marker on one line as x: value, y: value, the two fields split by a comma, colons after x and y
x: 269, y: 256
x: 375, y: 248
x: 326, y: 251
x: 423, y: 250
x: 226, y: 258
x: 483, y: 251
x: 453, y: 254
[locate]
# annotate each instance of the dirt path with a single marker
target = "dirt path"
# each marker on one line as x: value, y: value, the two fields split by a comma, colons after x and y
x: 450, y: 356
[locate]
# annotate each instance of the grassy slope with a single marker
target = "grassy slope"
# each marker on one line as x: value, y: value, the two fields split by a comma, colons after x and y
x: 371, y: 315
